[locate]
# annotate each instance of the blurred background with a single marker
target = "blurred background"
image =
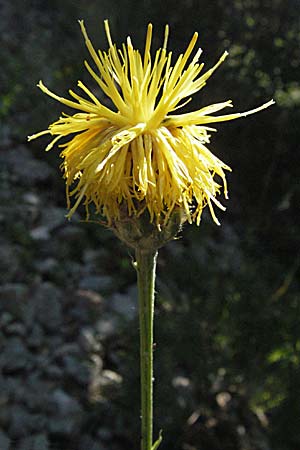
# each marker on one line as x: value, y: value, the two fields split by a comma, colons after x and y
x: 227, y: 362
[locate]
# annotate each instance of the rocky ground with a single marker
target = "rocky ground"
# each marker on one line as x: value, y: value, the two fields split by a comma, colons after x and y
x: 59, y: 309
x: 67, y: 296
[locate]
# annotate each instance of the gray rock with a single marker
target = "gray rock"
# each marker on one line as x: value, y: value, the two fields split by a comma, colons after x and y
x: 36, y: 337
x: 47, y: 266
x: 4, y: 441
x: 5, y: 130
x: 72, y: 234
x: 80, y: 314
x: 40, y: 442
x: 4, y: 417
x: 52, y: 218
x: 31, y: 198
x: 38, y: 422
x: 56, y: 341
x: 101, y: 284
x: 64, y: 404
x: 126, y: 305
x: 5, y: 319
x: 90, y: 258
x: 13, y: 298
x: 48, y: 310
x: 28, y: 170
x: 20, y: 425
x: 106, y: 327
x: 37, y: 393
x: 67, y: 414
x: 36, y: 442
x: 42, y: 361
x: 88, y: 443
x: 105, y: 434
x: 86, y: 306
x: 76, y: 370
x: 3, y: 390
x: 40, y: 233
x: 9, y: 262
x: 16, y: 328
x: 16, y: 388
x: 15, y: 356
x: 54, y: 372
x: 67, y: 349
x: 93, y: 258
x: 31, y: 208
x: 64, y: 427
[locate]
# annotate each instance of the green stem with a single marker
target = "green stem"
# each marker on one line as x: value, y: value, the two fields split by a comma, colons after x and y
x: 146, y: 265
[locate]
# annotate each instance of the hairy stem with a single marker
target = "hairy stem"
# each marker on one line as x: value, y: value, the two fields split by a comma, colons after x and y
x: 146, y: 265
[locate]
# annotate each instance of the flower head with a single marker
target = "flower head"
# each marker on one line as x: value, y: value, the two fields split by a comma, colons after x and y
x: 139, y: 153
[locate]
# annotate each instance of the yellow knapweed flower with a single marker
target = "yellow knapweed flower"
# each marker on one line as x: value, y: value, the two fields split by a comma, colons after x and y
x: 140, y: 153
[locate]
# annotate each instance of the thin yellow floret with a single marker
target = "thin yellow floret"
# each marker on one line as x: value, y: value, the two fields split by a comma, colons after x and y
x: 138, y: 153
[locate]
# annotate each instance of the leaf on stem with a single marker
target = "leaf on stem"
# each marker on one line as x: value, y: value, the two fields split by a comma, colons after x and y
x: 158, y: 442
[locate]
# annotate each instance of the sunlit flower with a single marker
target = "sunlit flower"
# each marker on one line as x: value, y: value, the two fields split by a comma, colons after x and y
x: 138, y: 153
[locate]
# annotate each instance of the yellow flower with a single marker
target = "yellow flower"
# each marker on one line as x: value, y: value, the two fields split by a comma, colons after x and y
x: 139, y: 153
